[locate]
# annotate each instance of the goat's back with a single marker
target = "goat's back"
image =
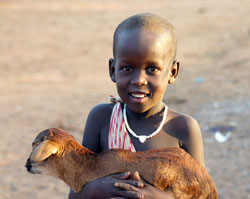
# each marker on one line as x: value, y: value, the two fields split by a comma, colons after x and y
x: 169, y: 169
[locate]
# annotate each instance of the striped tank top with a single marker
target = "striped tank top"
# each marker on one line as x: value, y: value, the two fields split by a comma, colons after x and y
x: 118, y: 134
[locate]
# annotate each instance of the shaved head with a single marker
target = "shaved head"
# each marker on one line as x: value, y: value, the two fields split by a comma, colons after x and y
x: 149, y: 22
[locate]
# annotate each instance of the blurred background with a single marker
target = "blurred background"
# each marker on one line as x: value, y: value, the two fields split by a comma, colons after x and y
x: 54, y: 69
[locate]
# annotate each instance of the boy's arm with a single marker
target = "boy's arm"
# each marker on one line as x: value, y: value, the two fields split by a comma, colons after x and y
x: 94, y: 124
x: 81, y: 194
x: 140, y: 188
x: 104, y: 188
x: 91, y: 140
x: 98, y: 121
x: 192, y: 139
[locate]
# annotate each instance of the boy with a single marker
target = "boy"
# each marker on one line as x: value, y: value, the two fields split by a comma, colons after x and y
x: 144, y: 49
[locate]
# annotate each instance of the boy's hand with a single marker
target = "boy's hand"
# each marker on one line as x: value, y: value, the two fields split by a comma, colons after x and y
x: 140, y: 189
x: 104, y: 188
x: 131, y: 188
x: 101, y: 188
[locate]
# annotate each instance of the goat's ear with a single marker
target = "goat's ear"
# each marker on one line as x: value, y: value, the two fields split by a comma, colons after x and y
x: 43, y: 151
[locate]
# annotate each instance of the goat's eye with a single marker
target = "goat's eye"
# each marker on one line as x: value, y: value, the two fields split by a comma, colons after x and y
x: 34, y: 144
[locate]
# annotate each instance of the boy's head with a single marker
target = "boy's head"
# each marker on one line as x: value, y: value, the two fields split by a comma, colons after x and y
x: 149, y: 22
x: 144, y: 60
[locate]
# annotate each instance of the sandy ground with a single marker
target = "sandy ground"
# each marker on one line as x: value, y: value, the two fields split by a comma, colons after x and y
x: 53, y: 70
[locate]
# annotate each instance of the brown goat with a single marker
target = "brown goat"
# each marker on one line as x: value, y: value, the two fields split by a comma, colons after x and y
x: 58, y: 154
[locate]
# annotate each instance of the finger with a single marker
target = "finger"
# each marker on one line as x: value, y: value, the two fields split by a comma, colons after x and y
x: 131, y: 194
x: 122, y: 176
x: 118, y: 198
x: 136, y: 176
x: 124, y: 185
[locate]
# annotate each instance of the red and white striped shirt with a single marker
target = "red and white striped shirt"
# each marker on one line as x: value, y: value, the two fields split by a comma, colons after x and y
x: 118, y: 134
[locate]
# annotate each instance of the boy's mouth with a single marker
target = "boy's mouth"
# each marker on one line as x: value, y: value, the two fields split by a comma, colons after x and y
x: 138, y: 95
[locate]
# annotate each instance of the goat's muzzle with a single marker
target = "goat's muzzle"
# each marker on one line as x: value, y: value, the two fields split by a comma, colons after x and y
x: 28, y: 165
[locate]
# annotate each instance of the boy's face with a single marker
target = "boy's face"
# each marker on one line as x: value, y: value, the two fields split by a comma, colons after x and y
x: 142, y: 68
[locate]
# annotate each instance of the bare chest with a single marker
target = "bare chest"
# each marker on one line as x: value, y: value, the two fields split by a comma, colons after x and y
x: 161, y: 140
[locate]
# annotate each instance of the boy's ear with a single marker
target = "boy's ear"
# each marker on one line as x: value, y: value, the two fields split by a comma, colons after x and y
x: 112, y: 69
x: 174, y: 70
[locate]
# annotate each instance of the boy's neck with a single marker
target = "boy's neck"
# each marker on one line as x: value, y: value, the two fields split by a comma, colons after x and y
x: 155, y: 110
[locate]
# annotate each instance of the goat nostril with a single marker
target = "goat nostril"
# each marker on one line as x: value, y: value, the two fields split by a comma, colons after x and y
x: 28, y: 168
x: 28, y: 165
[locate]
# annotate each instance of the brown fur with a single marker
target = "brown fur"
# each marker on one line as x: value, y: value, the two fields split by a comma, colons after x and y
x: 57, y: 153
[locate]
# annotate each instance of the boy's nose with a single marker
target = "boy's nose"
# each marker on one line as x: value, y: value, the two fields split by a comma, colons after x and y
x: 139, y: 79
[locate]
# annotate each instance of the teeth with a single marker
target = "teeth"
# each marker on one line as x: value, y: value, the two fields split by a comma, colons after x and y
x: 137, y: 95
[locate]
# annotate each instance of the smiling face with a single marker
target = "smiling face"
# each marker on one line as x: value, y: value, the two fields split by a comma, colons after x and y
x: 142, y: 68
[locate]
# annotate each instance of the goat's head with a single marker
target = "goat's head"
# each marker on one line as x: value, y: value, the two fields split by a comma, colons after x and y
x: 47, y: 146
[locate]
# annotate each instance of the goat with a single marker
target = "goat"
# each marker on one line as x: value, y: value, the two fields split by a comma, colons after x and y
x: 58, y: 154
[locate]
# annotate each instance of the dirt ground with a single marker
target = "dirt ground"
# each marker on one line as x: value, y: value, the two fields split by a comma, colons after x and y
x: 54, y: 69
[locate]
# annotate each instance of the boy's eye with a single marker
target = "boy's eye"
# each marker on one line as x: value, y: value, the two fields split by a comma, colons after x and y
x: 127, y: 68
x: 152, y: 69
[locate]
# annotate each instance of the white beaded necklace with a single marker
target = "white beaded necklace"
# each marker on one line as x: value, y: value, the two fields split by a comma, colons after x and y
x: 143, y: 138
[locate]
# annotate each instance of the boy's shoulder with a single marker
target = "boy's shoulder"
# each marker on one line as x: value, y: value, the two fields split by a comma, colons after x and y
x: 101, y: 112
x: 103, y: 107
x: 97, y: 124
x: 186, y: 129
x: 183, y: 123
